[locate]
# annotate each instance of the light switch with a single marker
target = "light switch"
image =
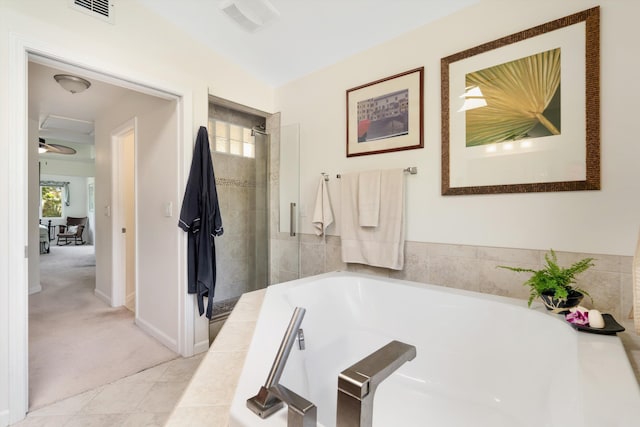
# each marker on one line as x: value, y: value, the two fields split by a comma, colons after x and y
x: 168, y: 209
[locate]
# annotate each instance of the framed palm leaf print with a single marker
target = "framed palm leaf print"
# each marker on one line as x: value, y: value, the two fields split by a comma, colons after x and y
x: 522, y: 113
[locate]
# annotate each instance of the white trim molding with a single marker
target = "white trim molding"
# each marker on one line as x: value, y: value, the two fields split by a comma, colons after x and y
x: 17, y: 155
x: 118, y: 263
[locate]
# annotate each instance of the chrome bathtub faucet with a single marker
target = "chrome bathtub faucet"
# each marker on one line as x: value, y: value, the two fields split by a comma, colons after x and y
x: 357, y: 384
x: 273, y: 395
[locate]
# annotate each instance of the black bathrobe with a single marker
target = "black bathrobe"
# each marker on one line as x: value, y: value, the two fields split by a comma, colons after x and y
x: 200, y: 217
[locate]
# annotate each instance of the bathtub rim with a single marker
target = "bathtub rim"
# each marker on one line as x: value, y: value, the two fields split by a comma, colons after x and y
x: 599, y: 373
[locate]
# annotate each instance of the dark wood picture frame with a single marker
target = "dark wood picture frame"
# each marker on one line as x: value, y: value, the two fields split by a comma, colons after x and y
x: 455, y: 136
x: 386, y: 115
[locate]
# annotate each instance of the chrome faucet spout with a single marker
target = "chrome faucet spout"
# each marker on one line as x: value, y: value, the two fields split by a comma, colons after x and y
x: 357, y: 384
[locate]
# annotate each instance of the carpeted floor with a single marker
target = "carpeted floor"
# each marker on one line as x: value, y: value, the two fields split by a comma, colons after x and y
x: 77, y: 342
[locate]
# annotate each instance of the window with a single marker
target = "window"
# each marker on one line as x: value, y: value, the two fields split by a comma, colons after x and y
x: 51, y: 201
x: 232, y: 139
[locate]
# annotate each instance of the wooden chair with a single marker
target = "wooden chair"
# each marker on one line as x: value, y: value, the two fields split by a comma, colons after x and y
x: 72, y: 231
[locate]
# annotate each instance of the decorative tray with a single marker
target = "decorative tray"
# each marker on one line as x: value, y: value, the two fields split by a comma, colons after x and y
x: 611, y: 327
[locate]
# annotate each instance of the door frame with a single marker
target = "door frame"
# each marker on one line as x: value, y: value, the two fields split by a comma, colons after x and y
x: 20, y: 49
x: 118, y: 251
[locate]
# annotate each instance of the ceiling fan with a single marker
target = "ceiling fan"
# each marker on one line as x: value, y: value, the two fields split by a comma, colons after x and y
x: 43, y: 147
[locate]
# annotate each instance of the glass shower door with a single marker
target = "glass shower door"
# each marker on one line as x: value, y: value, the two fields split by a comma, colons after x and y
x: 288, y: 236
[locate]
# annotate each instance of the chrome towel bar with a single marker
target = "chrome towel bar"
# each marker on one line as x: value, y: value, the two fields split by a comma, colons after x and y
x: 413, y: 170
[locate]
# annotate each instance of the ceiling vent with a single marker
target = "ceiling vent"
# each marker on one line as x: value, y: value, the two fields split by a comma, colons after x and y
x: 102, y: 9
x: 250, y: 15
x: 52, y: 122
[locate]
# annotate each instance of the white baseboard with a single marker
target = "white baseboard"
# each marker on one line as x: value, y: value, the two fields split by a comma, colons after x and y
x: 102, y: 297
x: 201, y: 347
x: 4, y: 418
x: 157, y: 334
x: 35, y: 290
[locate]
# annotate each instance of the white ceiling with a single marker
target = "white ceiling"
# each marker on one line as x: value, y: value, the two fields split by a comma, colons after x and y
x: 307, y: 35
x: 47, y: 100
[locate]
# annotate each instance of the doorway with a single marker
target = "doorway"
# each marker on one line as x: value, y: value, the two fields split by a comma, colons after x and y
x: 123, y: 142
x: 172, y: 327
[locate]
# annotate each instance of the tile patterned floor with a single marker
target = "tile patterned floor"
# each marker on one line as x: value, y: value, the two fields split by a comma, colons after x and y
x: 144, y: 399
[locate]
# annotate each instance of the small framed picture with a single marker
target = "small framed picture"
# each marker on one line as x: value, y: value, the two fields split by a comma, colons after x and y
x: 386, y: 115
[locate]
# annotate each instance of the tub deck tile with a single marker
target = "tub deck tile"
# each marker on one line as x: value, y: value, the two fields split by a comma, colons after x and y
x: 207, y: 399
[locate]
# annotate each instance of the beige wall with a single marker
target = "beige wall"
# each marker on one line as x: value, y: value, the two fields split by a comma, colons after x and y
x: 68, y: 167
x: 157, y: 184
x: 604, y: 222
x: 458, y: 241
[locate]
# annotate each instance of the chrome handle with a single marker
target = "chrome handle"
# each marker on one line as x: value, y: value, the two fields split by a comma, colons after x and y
x: 285, y: 347
x: 292, y: 219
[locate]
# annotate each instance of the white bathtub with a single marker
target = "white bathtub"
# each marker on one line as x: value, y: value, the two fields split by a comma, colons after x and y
x: 482, y: 360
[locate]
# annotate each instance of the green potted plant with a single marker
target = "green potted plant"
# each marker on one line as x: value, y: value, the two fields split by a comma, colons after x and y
x: 555, y: 285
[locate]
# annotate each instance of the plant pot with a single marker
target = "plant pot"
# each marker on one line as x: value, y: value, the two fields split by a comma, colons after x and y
x: 562, y: 305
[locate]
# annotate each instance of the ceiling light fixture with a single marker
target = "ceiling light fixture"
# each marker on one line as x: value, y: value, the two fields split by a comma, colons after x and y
x: 73, y: 84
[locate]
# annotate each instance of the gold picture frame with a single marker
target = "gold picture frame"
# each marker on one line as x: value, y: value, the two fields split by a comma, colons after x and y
x: 496, y: 136
x: 386, y: 115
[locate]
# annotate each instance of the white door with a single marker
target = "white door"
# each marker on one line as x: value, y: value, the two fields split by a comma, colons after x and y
x: 124, y: 218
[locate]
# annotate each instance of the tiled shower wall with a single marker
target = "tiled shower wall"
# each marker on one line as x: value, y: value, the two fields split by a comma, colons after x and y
x: 242, y: 265
x: 235, y: 181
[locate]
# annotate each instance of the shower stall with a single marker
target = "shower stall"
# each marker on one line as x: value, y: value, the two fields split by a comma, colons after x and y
x: 246, y: 147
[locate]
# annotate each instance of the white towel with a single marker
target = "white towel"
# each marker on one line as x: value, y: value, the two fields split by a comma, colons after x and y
x: 381, y: 246
x: 369, y: 198
x: 322, y: 213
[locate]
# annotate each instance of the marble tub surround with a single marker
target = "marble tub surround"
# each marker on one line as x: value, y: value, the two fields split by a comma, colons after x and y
x: 474, y: 268
x: 207, y: 398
